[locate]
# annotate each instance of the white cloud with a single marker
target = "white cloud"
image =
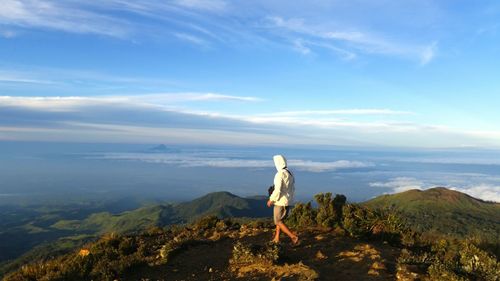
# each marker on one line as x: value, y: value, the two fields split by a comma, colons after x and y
x: 81, y: 78
x: 206, y: 22
x: 176, y: 110
x: 218, y: 97
x: 191, y: 39
x: 471, y: 184
x: 301, y: 47
x: 486, y: 192
x: 400, y: 184
x: 7, y: 34
x: 318, y: 167
x: 299, y: 25
x: 55, y: 104
x: 151, y: 100
x: 357, y: 111
x: 428, y: 53
x: 354, y: 40
x: 16, y: 79
x: 60, y: 16
x: 184, y: 160
x: 208, y: 5
x: 342, y: 52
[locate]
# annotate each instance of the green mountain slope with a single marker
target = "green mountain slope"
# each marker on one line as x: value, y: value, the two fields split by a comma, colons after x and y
x: 39, y: 236
x: 214, y: 249
x: 221, y: 204
x: 444, y: 211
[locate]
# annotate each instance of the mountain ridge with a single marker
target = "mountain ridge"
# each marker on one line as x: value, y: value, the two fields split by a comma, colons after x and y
x: 442, y: 210
x: 350, y: 242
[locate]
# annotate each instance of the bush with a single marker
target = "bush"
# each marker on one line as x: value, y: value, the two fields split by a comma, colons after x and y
x: 329, y: 212
x: 302, y: 215
x: 357, y: 221
x: 454, y: 260
x: 252, y: 253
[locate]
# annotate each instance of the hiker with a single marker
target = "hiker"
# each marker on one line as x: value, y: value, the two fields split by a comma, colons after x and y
x: 281, y: 197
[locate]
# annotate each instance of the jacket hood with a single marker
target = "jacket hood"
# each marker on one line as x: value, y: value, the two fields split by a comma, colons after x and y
x: 279, y: 162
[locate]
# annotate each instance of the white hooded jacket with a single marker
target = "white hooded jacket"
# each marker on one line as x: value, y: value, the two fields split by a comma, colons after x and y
x: 284, y: 183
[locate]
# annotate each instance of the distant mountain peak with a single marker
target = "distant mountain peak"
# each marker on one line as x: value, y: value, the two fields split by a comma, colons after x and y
x: 219, y: 193
x: 444, y: 210
x: 160, y: 147
x: 443, y: 194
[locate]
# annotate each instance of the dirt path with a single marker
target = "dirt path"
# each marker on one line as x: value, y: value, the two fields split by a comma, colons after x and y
x: 331, y: 257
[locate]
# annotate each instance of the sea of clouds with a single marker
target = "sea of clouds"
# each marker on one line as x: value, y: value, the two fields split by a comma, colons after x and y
x: 186, y: 160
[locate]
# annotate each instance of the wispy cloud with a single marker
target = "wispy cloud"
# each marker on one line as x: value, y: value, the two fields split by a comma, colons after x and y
x: 210, y: 22
x: 177, y: 110
x: 347, y: 41
x: 356, y: 111
x: 209, y: 5
x: 60, y: 16
x: 16, y: 79
x: 82, y: 80
x: 185, y: 160
x: 301, y: 47
x: 191, y: 39
x: 428, y: 53
x: 149, y: 100
x: 7, y: 34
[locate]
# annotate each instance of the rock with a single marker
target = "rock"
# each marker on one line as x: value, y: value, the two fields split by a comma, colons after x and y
x: 84, y: 252
x: 319, y: 237
x: 321, y: 256
x: 407, y: 273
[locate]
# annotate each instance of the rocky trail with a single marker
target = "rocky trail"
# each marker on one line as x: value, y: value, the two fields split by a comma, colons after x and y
x: 321, y: 255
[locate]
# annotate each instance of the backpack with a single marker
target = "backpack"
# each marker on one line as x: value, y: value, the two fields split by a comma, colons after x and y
x: 270, y: 190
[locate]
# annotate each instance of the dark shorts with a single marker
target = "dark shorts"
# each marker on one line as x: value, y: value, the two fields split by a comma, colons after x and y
x: 279, y: 213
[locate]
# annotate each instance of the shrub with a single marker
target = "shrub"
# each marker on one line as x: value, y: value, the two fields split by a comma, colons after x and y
x: 252, y: 253
x: 302, y: 215
x: 206, y: 223
x: 357, y: 221
x: 329, y: 212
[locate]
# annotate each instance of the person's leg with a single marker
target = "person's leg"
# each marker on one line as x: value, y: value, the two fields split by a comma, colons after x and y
x: 277, y: 235
x: 277, y: 218
x: 287, y: 231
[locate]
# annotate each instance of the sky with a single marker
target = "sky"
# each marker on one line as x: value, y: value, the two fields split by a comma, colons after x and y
x: 387, y: 73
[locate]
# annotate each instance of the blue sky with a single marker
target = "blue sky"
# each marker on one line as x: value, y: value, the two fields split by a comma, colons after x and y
x: 362, y: 73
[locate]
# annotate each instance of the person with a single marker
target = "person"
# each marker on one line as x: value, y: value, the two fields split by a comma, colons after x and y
x: 281, y: 197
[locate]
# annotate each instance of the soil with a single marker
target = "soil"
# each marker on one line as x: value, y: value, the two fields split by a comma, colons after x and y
x: 321, y: 255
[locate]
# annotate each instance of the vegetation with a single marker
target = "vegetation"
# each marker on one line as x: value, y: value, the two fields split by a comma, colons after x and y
x: 440, y: 210
x: 32, y: 233
x: 244, y: 252
x: 442, y: 257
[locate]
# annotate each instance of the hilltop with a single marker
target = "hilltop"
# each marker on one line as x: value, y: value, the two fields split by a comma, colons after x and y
x: 226, y: 252
x: 222, y: 204
x: 442, y: 210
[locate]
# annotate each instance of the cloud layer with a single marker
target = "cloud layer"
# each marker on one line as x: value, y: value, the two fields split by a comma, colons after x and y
x: 180, y: 118
x: 231, y: 23
x: 476, y: 185
x: 185, y: 160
